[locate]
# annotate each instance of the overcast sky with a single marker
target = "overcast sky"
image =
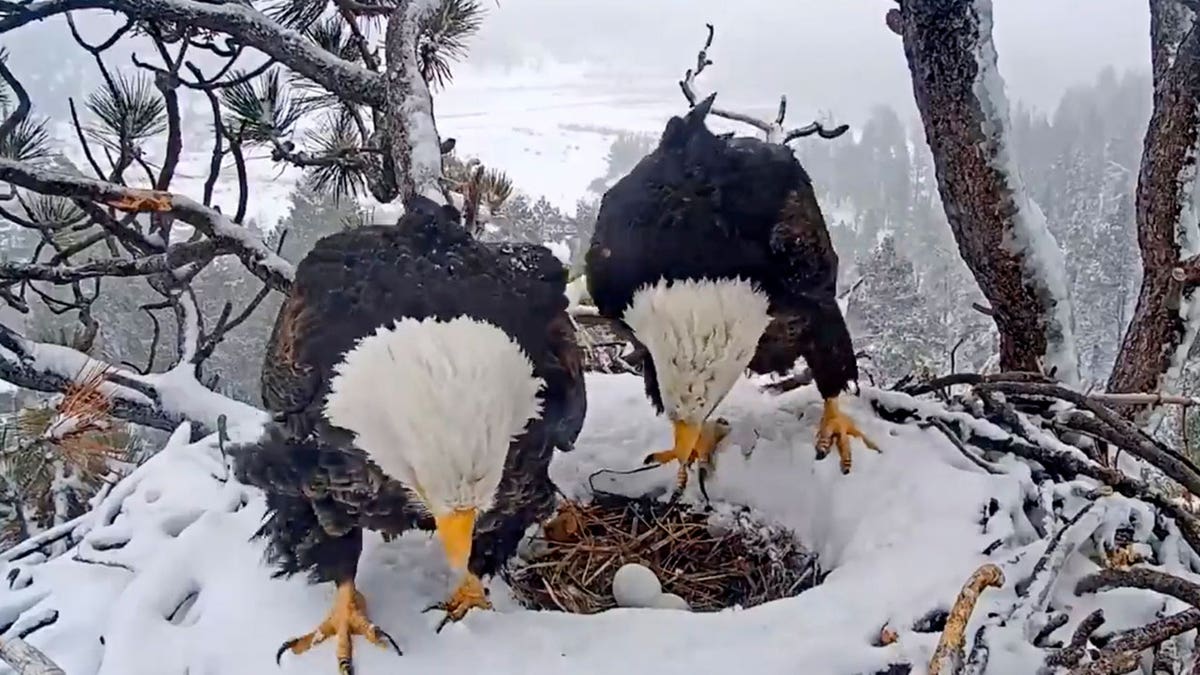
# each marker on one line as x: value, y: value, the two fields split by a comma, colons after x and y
x: 837, y: 51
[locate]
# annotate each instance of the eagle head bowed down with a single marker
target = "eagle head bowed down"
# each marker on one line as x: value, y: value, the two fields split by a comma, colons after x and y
x: 713, y: 253
x: 419, y: 379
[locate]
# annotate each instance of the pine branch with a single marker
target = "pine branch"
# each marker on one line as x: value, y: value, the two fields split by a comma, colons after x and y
x: 247, y: 245
x: 245, y: 24
x: 135, y: 398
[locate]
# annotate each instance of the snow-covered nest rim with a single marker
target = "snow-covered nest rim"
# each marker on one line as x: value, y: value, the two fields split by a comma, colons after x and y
x: 715, y: 557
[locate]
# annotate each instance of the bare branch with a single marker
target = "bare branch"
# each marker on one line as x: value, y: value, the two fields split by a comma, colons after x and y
x: 175, y: 257
x: 25, y: 659
x: 775, y: 131
x: 249, y: 247
x: 19, y: 114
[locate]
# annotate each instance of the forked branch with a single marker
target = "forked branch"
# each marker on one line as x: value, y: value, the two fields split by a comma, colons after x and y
x: 774, y: 130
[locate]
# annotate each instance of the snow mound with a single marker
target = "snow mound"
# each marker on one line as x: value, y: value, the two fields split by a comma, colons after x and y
x: 166, y: 581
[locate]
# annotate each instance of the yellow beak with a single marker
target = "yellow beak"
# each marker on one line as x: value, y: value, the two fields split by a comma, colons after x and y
x: 456, y: 530
x: 686, y: 438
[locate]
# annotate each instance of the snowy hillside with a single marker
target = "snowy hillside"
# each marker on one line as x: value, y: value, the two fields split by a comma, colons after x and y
x: 549, y: 129
x: 167, y: 582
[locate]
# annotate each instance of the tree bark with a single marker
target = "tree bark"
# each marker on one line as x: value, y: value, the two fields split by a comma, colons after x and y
x: 1158, y: 338
x: 25, y: 659
x: 1001, y: 234
x: 411, y: 128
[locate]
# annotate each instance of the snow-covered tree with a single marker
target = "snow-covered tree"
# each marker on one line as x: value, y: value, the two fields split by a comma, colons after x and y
x: 1001, y: 232
x: 890, y: 316
x: 1167, y: 316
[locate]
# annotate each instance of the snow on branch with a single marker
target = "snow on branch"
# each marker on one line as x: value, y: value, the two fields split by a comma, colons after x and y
x: 158, y: 400
x: 1167, y: 316
x: 246, y: 244
x: 247, y: 25
x: 415, y: 145
x: 175, y: 257
x: 774, y: 130
x: 1002, y: 234
x: 26, y: 659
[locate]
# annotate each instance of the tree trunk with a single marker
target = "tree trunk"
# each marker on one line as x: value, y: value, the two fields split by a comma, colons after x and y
x: 1001, y: 234
x: 1164, y: 324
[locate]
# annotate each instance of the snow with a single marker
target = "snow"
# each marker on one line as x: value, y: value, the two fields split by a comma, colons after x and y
x: 1031, y: 238
x: 425, y: 154
x: 178, y: 389
x: 167, y: 580
x: 561, y: 250
x: 1187, y: 238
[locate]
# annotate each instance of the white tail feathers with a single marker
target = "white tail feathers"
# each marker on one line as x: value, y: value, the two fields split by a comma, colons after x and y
x: 701, y: 335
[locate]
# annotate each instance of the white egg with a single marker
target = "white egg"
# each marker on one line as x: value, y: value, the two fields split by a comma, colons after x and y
x: 671, y: 601
x: 636, y: 585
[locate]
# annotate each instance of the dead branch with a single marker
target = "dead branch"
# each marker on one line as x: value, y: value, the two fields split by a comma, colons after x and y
x: 19, y: 113
x: 1145, y: 637
x: 1170, y: 462
x: 176, y: 256
x: 775, y: 131
x: 1109, y: 664
x: 26, y: 659
x: 1074, y: 652
x: 1111, y: 425
x: 1143, y: 578
x: 1057, y: 462
x: 948, y: 657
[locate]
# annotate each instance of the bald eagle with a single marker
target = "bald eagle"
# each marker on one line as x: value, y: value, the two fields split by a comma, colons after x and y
x: 713, y: 255
x: 421, y: 379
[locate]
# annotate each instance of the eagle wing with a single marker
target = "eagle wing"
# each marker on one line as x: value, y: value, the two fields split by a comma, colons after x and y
x: 547, y: 333
x: 807, y: 320
x: 289, y: 385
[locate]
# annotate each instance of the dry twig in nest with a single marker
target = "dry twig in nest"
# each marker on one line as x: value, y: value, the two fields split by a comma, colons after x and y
x: 948, y: 656
x: 710, y: 565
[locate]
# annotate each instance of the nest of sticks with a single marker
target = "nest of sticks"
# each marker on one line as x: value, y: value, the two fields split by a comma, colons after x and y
x: 715, y: 560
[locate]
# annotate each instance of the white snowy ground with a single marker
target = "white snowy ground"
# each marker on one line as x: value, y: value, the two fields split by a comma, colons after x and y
x: 901, y: 534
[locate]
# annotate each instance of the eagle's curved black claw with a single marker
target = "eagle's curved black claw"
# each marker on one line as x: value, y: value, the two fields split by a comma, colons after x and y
x: 383, y: 634
x: 287, y: 644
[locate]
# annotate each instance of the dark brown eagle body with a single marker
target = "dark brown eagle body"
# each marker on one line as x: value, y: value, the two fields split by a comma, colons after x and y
x: 701, y: 206
x: 322, y: 490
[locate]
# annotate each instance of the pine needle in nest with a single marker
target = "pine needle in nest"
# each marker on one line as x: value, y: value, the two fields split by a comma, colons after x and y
x: 713, y: 561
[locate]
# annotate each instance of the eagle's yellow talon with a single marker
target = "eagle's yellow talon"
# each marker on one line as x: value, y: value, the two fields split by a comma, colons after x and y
x: 347, y: 619
x: 469, y: 595
x: 836, y: 426
x: 692, y: 444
